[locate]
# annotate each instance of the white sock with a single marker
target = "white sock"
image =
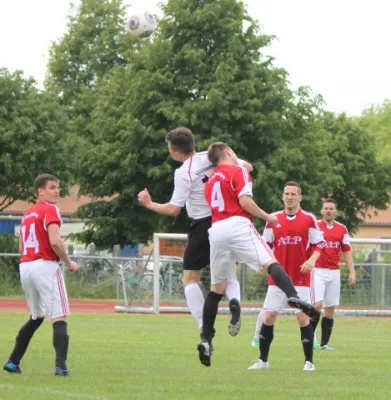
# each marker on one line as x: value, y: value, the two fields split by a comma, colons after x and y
x: 232, y: 290
x: 258, y: 325
x: 195, y: 301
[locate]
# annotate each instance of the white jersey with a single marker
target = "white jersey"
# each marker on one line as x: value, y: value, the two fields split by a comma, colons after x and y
x: 189, y: 185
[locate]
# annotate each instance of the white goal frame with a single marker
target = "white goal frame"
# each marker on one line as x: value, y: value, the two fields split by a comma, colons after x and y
x: 156, y: 308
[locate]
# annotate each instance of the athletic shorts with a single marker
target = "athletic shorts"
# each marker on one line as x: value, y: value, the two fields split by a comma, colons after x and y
x: 44, y: 287
x: 276, y: 299
x: 326, y: 286
x: 234, y: 240
x: 197, y: 250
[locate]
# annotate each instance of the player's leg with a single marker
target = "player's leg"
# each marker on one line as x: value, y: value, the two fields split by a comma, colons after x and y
x: 331, y: 300
x: 275, y: 302
x: 318, y: 288
x: 252, y: 249
x: 54, y: 295
x: 306, y: 331
x: 27, y: 331
x: 258, y: 326
x: 196, y: 257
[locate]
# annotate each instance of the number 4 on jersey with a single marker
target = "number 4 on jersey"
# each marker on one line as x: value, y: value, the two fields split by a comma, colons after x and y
x: 31, y: 240
x: 217, y: 197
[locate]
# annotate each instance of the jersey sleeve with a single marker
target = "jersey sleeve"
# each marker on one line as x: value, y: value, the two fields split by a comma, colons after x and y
x: 345, y: 245
x: 52, y: 216
x: 316, y: 238
x: 182, y: 186
x: 241, y: 182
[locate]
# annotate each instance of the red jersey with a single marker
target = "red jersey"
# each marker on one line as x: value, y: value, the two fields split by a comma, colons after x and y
x: 337, y: 239
x: 293, y: 240
x: 223, y: 189
x: 34, y: 232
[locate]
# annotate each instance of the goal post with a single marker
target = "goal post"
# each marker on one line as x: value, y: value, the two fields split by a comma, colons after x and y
x: 371, y: 296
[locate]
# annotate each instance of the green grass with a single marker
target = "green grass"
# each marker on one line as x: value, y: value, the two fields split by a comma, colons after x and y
x: 154, y: 357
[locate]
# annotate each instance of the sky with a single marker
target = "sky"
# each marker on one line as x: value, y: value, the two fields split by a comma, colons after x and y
x: 340, y: 48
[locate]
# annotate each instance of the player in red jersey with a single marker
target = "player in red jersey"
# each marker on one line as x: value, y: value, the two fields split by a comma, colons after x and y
x: 326, y: 282
x: 232, y: 238
x: 41, y: 248
x: 292, y: 239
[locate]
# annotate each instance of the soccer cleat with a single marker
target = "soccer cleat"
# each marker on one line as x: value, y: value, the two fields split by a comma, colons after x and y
x: 305, y: 307
x: 235, y: 322
x: 259, y: 364
x: 12, y: 368
x: 327, y: 347
x: 205, y: 352
x: 316, y: 345
x: 308, y: 366
x: 255, y: 343
x: 62, y: 372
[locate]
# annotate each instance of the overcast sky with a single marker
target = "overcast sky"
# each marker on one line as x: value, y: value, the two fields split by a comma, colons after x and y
x: 340, y: 48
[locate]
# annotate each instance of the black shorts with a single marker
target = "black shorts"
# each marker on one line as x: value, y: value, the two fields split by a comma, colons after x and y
x: 197, y: 249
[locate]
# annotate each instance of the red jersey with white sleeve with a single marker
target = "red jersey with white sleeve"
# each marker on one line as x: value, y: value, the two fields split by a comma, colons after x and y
x: 34, y: 232
x: 223, y: 189
x: 293, y: 240
x: 337, y: 238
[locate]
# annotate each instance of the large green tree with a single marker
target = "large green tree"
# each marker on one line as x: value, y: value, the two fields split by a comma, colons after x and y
x: 206, y: 71
x: 33, y: 137
x: 364, y: 180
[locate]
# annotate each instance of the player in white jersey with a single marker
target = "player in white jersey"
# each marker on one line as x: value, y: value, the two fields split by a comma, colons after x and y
x: 189, y: 182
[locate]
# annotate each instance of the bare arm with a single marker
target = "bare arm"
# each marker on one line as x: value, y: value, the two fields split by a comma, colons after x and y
x: 165, y: 209
x: 349, y: 263
x: 251, y: 207
x: 309, y: 265
x: 20, y: 244
x: 59, y: 247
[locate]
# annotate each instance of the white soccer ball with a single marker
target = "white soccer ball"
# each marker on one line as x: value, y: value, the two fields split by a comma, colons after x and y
x: 142, y: 24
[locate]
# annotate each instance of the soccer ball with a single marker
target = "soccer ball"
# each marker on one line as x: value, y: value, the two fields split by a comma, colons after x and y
x: 142, y: 24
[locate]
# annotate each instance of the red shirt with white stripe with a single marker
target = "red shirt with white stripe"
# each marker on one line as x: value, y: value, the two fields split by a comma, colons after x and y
x: 337, y: 239
x: 293, y: 239
x: 34, y: 232
x: 223, y: 189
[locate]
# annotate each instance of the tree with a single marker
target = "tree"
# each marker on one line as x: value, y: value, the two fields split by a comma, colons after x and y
x: 221, y: 85
x: 364, y: 181
x: 377, y: 121
x: 95, y: 42
x: 33, y: 138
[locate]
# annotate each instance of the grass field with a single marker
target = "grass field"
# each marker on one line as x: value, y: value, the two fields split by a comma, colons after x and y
x: 154, y: 357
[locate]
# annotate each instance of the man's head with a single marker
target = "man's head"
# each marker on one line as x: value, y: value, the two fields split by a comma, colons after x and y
x: 292, y: 197
x: 329, y: 210
x: 220, y: 153
x: 181, y: 143
x: 47, y: 188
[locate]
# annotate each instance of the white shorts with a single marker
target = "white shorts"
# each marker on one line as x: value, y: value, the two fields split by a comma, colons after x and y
x: 326, y: 286
x: 44, y: 287
x: 276, y: 299
x: 234, y: 240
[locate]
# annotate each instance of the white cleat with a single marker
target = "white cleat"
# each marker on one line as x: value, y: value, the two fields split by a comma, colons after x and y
x: 309, y: 366
x: 327, y: 347
x: 259, y: 364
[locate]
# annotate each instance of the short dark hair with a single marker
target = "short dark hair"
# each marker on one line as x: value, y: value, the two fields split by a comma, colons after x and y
x: 216, y: 152
x: 181, y: 139
x: 292, y: 183
x: 330, y: 200
x: 41, y: 181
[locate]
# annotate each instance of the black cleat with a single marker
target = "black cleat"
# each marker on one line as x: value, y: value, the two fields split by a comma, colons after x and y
x: 235, y: 322
x: 305, y: 307
x: 205, y: 352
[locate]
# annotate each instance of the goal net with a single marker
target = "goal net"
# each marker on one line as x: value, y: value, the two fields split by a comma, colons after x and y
x: 153, y: 284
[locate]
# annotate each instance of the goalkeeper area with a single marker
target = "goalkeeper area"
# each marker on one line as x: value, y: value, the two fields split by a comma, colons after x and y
x: 127, y: 356
x: 154, y: 284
